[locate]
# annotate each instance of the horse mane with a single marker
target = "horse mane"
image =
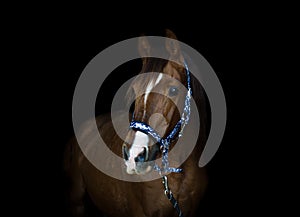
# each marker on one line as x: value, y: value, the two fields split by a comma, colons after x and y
x: 201, y: 101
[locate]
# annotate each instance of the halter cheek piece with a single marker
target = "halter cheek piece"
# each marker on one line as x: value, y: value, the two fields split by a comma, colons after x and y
x: 165, y: 142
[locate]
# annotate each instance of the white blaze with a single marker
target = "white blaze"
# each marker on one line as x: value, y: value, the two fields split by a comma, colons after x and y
x: 149, y: 88
x: 141, y: 140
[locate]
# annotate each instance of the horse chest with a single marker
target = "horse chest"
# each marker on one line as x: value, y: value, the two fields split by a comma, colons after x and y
x: 117, y: 198
x: 150, y: 199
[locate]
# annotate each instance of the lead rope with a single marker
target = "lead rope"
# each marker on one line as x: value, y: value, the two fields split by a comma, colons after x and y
x: 170, y: 196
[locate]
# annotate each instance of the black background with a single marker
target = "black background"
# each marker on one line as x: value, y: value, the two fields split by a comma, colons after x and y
x: 57, y: 46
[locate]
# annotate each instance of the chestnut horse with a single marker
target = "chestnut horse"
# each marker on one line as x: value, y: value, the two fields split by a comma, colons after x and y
x: 155, y: 118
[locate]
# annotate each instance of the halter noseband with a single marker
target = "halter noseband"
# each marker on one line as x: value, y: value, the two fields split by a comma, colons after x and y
x: 165, y: 142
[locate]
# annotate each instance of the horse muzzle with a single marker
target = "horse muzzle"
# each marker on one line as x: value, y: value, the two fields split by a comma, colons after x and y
x: 141, y: 163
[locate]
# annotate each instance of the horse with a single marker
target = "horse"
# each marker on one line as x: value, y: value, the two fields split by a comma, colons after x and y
x: 155, y: 118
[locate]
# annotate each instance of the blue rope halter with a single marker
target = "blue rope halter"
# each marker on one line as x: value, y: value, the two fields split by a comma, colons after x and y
x: 165, y: 142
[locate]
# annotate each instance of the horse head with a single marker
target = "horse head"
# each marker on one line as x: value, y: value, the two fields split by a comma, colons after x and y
x: 159, y: 93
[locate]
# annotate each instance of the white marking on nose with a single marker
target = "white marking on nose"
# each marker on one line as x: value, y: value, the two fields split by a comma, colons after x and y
x: 149, y: 88
x: 140, y: 141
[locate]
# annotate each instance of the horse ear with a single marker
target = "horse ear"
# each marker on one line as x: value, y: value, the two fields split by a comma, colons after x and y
x: 170, y: 34
x: 173, y: 47
x: 144, y: 47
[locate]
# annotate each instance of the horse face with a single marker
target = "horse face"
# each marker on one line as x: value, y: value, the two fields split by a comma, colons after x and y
x: 156, y: 105
x: 158, y: 110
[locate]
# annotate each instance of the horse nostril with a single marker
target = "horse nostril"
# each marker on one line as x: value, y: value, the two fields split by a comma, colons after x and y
x: 125, y: 152
x: 143, y: 156
x: 146, y: 150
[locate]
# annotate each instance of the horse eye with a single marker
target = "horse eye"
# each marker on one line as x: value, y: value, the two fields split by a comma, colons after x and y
x: 173, y: 91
